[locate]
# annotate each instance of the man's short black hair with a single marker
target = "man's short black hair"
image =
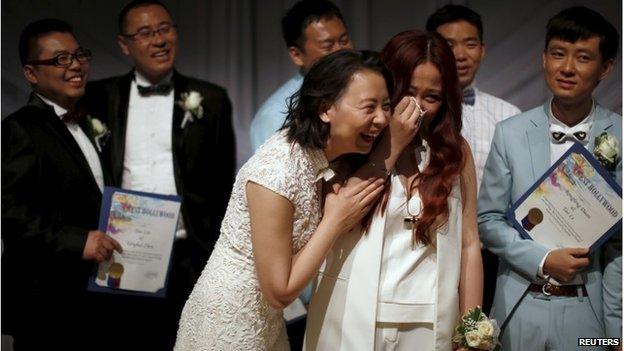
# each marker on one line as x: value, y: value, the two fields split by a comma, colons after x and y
x: 301, y: 15
x: 455, y: 13
x: 581, y: 23
x: 28, y: 39
x: 121, y: 20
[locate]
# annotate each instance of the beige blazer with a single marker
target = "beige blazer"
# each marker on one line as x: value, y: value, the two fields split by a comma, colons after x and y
x: 342, y: 312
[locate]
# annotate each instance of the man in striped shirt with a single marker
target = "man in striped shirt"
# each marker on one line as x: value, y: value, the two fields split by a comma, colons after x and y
x: 463, y: 30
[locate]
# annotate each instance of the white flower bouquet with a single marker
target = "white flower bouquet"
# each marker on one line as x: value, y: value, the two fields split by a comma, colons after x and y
x: 477, y: 332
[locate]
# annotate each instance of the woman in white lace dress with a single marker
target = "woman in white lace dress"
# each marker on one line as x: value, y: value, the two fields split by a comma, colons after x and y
x: 273, y: 238
x: 404, y: 284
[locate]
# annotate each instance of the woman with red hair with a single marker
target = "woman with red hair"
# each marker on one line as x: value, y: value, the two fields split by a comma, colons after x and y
x: 403, y: 279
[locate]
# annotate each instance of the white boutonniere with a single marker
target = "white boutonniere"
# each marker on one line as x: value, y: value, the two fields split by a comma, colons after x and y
x: 99, y: 131
x: 606, y: 150
x: 191, y: 104
x: 477, y: 331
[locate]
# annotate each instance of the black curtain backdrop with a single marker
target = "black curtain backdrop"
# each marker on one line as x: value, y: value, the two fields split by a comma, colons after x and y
x: 238, y: 44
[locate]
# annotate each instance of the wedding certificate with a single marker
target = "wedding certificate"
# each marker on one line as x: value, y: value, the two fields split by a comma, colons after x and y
x: 576, y: 203
x: 144, y: 224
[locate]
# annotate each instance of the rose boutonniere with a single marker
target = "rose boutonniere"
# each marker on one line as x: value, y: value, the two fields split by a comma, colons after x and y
x: 99, y: 131
x: 191, y: 104
x: 606, y: 150
x: 476, y: 331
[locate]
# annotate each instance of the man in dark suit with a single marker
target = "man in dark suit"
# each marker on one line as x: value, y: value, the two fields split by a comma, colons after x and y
x: 171, y: 134
x: 51, y: 191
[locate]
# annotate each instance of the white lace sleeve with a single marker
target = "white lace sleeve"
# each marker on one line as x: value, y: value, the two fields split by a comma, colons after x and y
x: 277, y: 177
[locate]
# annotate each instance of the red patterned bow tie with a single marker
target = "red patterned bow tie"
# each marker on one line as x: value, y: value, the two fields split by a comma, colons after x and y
x: 74, y: 116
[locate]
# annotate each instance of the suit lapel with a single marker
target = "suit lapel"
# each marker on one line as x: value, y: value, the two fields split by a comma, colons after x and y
x: 86, y: 128
x: 119, y: 109
x: 539, y: 143
x: 58, y: 127
x: 180, y: 85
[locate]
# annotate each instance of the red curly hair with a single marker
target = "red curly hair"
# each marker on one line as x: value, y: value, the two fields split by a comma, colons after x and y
x: 402, y: 54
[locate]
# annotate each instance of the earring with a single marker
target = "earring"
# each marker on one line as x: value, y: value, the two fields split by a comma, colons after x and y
x: 324, y: 117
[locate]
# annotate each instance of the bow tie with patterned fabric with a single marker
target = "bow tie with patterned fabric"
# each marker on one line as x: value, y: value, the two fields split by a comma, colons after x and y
x: 579, y: 133
x: 160, y: 89
x: 74, y: 116
x: 469, y: 96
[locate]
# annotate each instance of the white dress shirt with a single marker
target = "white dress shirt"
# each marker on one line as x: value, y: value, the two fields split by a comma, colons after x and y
x: 479, y: 122
x: 148, y: 158
x: 83, y: 141
x: 556, y: 151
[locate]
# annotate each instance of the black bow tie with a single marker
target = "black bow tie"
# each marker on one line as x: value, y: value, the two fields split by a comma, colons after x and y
x: 160, y: 89
x: 74, y: 116
x: 469, y: 96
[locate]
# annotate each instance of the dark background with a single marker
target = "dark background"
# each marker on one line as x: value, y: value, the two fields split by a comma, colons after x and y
x: 238, y: 44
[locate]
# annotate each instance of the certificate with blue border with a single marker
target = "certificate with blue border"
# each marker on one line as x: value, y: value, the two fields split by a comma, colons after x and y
x: 576, y: 203
x: 145, y: 225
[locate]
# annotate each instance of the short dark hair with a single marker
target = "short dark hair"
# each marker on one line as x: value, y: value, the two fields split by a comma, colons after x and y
x: 33, y: 31
x: 455, y: 13
x: 301, y: 15
x: 121, y: 19
x: 322, y: 86
x: 581, y: 23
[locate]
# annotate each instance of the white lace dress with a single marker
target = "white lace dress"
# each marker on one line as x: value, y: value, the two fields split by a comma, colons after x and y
x: 226, y: 310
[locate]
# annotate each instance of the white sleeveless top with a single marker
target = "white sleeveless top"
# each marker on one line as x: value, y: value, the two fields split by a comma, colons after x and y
x: 407, y: 282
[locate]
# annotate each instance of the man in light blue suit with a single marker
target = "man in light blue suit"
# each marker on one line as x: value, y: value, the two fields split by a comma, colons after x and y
x: 547, y: 299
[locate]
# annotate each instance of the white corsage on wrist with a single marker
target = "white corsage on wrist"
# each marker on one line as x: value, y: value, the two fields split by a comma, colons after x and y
x: 477, y: 332
x: 606, y: 150
x: 191, y: 104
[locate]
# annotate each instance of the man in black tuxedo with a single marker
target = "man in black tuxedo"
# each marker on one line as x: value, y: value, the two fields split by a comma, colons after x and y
x: 171, y: 134
x: 52, y: 181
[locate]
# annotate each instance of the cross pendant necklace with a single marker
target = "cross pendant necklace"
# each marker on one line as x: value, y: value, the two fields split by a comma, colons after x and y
x: 411, y: 220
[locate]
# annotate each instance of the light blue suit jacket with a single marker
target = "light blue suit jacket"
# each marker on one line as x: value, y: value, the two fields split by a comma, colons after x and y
x: 519, y: 155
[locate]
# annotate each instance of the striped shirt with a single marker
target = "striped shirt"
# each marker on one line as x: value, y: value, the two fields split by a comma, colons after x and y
x: 479, y: 122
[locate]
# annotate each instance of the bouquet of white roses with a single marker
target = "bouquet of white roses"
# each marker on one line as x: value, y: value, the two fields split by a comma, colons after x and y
x: 477, y: 331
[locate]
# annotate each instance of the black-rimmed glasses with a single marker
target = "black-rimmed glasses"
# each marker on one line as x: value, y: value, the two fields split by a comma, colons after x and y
x: 148, y: 33
x: 65, y: 59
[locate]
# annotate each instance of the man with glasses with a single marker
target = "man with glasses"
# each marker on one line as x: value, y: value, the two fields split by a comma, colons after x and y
x: 52, y: 180
x: 170, y: 134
